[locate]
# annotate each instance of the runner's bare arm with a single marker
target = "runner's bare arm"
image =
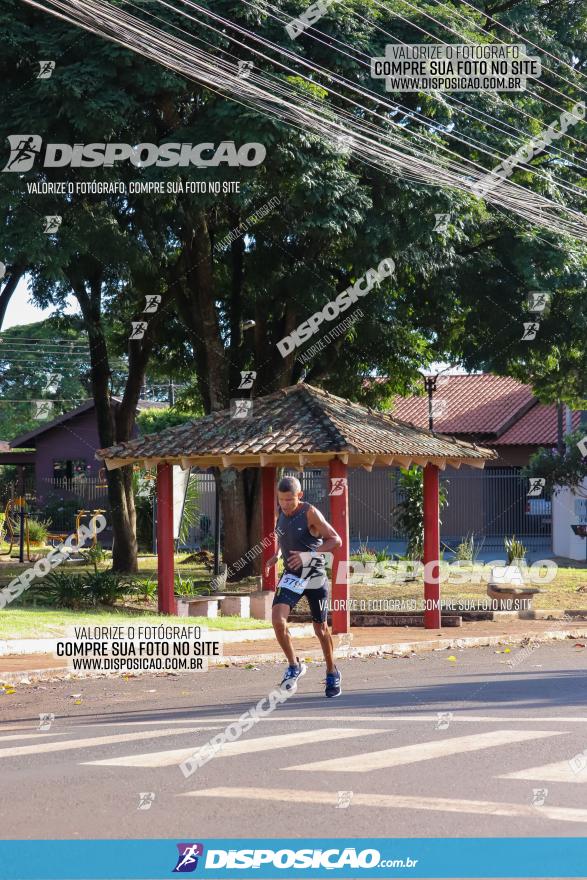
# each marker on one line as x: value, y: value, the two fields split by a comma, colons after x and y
x: 317, y: 523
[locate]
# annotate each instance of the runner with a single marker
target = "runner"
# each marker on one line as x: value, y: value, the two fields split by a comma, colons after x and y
x: 302, y: 531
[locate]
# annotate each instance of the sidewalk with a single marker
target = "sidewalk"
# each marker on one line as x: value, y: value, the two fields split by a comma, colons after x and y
x: 366, y: 641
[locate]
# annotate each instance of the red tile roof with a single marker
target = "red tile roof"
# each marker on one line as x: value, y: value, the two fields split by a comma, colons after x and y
x: 297, y: 420
x: 539, y: 425
x: 473, y: 404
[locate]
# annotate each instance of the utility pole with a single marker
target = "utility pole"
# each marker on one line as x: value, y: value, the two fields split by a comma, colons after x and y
x: 430, y: 387
x: 22, y: 517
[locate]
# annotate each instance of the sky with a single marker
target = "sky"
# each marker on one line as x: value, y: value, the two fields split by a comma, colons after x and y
x: 21, y: 311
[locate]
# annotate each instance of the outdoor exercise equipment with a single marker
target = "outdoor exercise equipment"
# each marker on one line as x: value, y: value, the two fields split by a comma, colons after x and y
x: 20, y: 531
x: 93, y: 514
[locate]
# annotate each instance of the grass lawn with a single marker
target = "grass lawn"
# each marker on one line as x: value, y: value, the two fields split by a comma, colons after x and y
x: 31, y: 623
x: 568, y: 591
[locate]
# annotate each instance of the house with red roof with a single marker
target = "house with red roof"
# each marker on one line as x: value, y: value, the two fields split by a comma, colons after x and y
x: 494, y: 411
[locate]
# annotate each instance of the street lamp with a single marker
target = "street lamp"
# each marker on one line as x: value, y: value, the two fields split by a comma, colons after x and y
x: 430, y: 383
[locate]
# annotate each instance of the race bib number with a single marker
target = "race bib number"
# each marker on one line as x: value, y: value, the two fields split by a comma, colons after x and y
x: 293, y: 583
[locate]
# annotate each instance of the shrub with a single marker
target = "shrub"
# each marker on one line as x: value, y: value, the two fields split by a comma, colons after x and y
x: 62, y: 588
x: 514, y: 549
x: 38, y: 530
x: 105, y: 587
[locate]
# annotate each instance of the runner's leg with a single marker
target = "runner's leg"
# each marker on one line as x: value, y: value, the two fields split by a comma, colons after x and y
x: 280, y: 613
x: 318, y: 602
x: 323, y: 632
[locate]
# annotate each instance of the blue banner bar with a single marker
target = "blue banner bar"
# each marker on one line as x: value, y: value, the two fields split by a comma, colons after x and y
x: 270, y: 858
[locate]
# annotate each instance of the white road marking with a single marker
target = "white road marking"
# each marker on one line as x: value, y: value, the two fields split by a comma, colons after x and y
x: 240, y: 747
x: 395, y: 802
x: 44, y: 747
x: 38, y: 735
x: 560, y: 771
x: 425, y: 751
x: 285, y: 718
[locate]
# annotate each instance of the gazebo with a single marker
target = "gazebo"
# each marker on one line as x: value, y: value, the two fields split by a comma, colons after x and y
x: 300, y: 426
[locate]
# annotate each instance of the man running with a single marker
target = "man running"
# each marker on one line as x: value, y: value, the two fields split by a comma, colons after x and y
x: 302, y: 530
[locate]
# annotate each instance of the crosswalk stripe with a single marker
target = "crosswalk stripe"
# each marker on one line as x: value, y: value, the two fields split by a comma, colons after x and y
x: 286, y: 717
x: 38, y: 735
x: 44, y: 747
x: 425, y: 751
x: 240, y: 747
x: 560, y: 771
x: 395, y: 802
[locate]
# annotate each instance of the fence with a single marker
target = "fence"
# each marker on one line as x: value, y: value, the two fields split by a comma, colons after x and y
x: 490, y: 503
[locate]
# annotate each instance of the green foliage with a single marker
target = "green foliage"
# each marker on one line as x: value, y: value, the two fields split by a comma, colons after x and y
x: 191, y: 510
x: 94, y: 555
x: 106, y: 587
x: 62, y: 588
x: 190, y: 586
x: 515, y: 549
x: 364, y: 554
x: 153, y: 420
x: 38, y: 530
x: 67, y: 589
x: 409, y: 512
x: 467, y: 550
x: 145, y: 588
x: 568, y: 469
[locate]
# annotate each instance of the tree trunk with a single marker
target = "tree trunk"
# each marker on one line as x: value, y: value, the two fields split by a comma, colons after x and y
x: 113, y: 426
x: 241, y: 518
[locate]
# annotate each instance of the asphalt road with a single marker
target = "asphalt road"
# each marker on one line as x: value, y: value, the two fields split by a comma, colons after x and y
x: 504, y: 763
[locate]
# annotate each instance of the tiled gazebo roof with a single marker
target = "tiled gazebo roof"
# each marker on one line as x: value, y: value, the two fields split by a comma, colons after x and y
x: 301, y: 426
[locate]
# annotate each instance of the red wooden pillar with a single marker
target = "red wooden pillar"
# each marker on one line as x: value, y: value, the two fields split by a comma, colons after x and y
x: 165, y: 572
x: 268, y: 524
x: 339, y: 518
x: 432, y: 618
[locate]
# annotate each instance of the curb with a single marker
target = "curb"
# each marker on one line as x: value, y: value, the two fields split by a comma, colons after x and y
x: 25, y: 647
x: 399, y: 649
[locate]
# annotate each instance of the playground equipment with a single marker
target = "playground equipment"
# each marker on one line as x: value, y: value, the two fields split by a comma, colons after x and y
x: 21, y: 521
x: 93, y: 514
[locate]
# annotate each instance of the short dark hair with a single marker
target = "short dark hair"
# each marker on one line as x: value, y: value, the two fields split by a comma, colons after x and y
x: 289, y: 484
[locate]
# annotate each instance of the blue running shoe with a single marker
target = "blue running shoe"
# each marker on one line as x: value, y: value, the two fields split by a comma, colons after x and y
x: 292, y: 673
x: 333, y: 680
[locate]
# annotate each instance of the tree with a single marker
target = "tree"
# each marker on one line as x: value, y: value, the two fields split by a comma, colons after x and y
x: 459, y: 296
